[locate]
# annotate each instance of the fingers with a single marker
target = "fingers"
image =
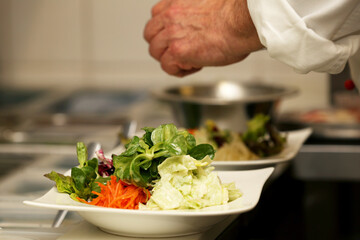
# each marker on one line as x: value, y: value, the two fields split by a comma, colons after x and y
x: 155, y: 24
x: 152, y: 28
x: 174, y: 67
x: 164, y: 33
x: 170, y: 50
x: 170, y: 59
x: 166, y: 37
x: 160, y: 7
x: 183, y: 73
x: 158, y: 46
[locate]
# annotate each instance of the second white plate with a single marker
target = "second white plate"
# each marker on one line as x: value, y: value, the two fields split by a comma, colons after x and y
x: 295, y: 140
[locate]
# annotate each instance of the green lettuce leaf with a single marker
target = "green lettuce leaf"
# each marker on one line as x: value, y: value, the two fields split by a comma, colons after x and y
x: 138, y: 163
x: 64, y: 184
x: 83, y: 177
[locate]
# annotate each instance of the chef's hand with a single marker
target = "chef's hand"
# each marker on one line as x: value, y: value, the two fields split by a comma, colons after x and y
x: 186, y: 35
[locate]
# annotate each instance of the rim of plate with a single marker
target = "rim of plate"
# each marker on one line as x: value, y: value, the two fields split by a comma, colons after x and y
x: 197, y: 212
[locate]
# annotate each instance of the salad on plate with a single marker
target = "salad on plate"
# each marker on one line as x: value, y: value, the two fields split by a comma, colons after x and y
x: 162, y: 170
x: 260, y: 140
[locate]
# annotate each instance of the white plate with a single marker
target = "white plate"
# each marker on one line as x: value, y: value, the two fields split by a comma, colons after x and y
x: 150, y: 223
x: 295, y: 140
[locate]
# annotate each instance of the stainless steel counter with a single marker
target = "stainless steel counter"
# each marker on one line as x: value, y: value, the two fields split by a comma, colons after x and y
x: 328, y: 162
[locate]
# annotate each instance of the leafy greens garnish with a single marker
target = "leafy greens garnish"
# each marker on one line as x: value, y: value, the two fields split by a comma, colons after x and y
x: 262, y: 137
x: 138, y: 164
x: 83, y: 178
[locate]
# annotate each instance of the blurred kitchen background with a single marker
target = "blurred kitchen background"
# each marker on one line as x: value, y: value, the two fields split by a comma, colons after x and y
x: 99, y: 44
x: 80, y: 70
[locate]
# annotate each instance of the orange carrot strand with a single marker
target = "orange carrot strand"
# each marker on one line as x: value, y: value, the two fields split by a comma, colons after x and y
x: 118, y: 194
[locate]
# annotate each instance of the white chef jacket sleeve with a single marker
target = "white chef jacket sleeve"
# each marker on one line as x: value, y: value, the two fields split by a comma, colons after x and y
x: 309, y: 35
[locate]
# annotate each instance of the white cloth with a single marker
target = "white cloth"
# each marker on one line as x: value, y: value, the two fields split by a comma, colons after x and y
x: 308, y: 35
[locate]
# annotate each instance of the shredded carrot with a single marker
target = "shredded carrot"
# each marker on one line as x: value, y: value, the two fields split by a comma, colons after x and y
x: 118, y: 194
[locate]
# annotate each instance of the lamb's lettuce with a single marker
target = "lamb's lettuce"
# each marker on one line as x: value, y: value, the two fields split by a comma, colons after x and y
x: 138, y: 164
x: 187, y: 183
x: 83, y: 179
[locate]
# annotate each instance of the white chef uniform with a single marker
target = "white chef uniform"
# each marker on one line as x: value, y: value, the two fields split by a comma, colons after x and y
x: 310, y: 35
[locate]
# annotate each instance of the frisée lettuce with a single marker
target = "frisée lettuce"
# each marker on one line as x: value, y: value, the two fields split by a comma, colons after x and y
x: 187, y: 183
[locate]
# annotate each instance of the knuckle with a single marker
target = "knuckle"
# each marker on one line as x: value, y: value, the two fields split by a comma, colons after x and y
x: 157, y: 8
x: 177, y: 49
x: 172, y: 13
x: 154, y: 10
